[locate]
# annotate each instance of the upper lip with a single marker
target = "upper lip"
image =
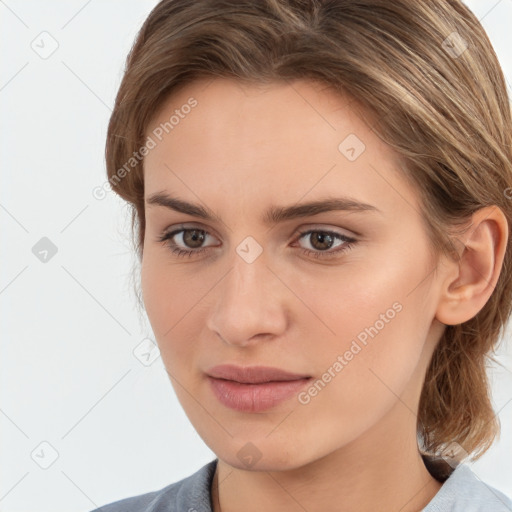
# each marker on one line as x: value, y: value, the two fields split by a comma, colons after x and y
x: 253, y: 374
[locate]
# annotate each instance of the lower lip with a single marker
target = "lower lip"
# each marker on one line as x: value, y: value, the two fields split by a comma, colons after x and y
x: 254, y: 397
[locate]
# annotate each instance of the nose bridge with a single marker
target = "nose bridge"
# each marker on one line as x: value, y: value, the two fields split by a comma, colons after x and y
x: 247, y: 301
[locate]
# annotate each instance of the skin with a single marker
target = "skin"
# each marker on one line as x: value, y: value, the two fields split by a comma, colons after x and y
x: 239, y: 151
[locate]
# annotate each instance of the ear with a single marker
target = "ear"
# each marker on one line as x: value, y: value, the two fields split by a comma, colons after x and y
x: 470, y: 281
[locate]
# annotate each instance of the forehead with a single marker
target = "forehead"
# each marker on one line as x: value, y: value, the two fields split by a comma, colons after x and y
x: 278, y: 140
x: 230, y: 104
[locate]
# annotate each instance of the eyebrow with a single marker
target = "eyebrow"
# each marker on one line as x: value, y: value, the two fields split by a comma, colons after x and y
x: 273, y: 215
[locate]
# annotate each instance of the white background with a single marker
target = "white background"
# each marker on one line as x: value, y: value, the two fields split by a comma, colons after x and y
x: 70, y: 325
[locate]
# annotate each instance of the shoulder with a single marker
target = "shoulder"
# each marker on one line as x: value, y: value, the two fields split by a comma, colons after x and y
x: 190, y: 493
x: 463, y: 491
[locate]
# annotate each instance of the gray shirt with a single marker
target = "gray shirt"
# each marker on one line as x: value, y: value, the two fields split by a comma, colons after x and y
x: 462, y: 491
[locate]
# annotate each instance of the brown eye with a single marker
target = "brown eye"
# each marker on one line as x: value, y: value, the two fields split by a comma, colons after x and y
x: 193, y: 238
x: 320, y: 243
x: 186, y: 242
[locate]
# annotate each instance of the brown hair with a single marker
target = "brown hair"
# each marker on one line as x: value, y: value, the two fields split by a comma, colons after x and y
x: 441, y: 106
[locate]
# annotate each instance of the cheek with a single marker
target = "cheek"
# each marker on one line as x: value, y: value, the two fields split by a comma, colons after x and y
x: 157, y: 291
x: 380, y: 318
x: 354, y: 295
x: 173, y: 298
x: 169, y: 292
x: 375, y: 375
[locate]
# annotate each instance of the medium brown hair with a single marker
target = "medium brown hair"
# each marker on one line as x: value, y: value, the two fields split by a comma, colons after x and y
x: 429, y: 80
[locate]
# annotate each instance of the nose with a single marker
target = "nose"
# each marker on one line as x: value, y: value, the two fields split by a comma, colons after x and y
x: 249, y: 304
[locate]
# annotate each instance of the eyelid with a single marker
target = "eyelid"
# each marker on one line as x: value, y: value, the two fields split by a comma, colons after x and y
x: 349, y: 233
x: 299, y: 231
x: 186, y: 226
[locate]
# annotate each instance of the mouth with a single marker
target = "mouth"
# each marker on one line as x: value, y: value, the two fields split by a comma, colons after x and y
x: 254, y: 389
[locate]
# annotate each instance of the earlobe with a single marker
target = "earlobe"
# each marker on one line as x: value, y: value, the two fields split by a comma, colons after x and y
x: 471, y: 281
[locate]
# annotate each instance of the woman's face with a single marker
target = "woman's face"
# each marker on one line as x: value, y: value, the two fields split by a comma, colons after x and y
x: 345, y: 296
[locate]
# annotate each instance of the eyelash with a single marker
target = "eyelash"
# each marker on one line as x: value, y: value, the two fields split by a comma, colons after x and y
x: 349, y: 243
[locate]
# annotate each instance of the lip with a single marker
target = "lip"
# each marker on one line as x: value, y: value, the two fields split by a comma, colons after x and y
x: 254, y: 389
x: 253, y: 374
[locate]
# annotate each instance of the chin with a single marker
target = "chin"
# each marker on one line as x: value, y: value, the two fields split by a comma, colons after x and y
x: 264, y: 456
